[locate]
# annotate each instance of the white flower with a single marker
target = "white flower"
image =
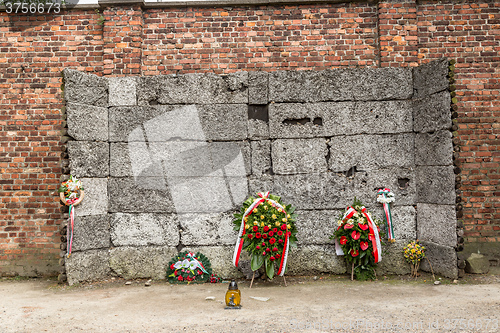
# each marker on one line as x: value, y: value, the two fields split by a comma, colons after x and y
x: 193, y: 265
x: 178, y: 264
x: 185, y: 263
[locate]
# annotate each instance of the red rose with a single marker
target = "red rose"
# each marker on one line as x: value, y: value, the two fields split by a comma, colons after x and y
x: 257, y: 235
x: 355, y: 235
x: 268, y: 250
x: 363, y: 245
x: 343, y: 240
x: 275, y: 229
x: 271, y: 234
x: 266, y: 228
x: 180, y: 278
x: 354, y: 253
x: 283, y: 227
x: 277, y: 255
x: 257, y: 247
x: 275, y: 249
x: 272, y: 241
x: 250, y: 236
x: 263, y: 244
x: 288, y: 234
x: 280, y: 233
x: 363, y: 226
x: 272, y: 258
x: 264, y: 236
x: 264, y: 253
x: 348, y: 226
x: 255, y: 228
x: 280, y: 241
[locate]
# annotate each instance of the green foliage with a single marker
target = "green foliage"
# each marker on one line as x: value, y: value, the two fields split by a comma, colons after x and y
x: 266, y: 228
x: 192, y: 273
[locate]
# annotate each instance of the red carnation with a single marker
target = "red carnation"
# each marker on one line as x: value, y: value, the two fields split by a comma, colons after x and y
x: 348, y: 226
x: 271, y: 234
x: 354, y: 253
x: 280, y: 233
x: 180, y: 278
x: 355, y: 235
x: 363, y: 226
x: 257, y: 247
x: 363, y: 245
x: 250, y: 236
x: 283, y: 227
x: 280, y: 241
x: 275, y: 229
x: 255, y: 228
x: 272, y: 241
x: 272, y: 258
x: 275, y: 249
x: 266, y: 228
x: 343, y: 240
x: 264, y: 236
x: 268, y: 250
x: 257, y: 235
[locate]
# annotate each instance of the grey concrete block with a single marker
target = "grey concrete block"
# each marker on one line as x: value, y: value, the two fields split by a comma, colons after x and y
x: 141, y: 262
x: 364, y: 186
x: 310, y: 259
x: 95, y: 201
x: 212, y: 194
x: 285, y: 156
x: 81, y: 88
x: 119, y: 160
x: 371, y: 151
x: 122, y: 91
x: 261, y: 157
x: 223, y: 122
x: 221, y: 259
x: 87, y: 122
x: 436, y: 184
x: 477, y: 264
x: 87, y: 266
x: 263, y: 183
x: 294, y: 120
x: 393, y: 260
x: 404, y: 219
x: 146, y: 195
x: 144, y: 229
x: 88, y: 159
x: 432, y: 113
x: 443, y: 260
x: 207, y: 229
x: 430, y: 78
x: 258, y: 87
x: 363, y: 84
x: 258, y: 129
x: 316, y: 226
x: 207, y: 88
x: 91, y: 232
x: 123, y: 120
x: 434, y: 148
x: 311, y: 191
x: 437, y: 224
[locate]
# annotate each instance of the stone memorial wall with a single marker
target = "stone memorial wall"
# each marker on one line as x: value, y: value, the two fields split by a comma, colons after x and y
x: 166, y: 160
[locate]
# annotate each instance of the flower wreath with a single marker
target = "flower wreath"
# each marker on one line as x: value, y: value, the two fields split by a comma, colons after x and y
x: 359, y: 239
x: 266, y: 230
x: 187, y: 267
x: 71, y: 191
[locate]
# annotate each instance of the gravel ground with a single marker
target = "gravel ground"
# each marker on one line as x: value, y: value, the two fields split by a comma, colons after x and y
x: 307, y: 304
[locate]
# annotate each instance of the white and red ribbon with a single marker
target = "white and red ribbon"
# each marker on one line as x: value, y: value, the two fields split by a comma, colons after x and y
x: 385, y: 197
x: 239, y: 242
x: 70, y: 229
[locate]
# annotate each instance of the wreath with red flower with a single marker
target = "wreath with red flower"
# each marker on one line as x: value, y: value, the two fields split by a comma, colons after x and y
x: 359, y: 237
x: 267, y: 229
x: 187, y: 267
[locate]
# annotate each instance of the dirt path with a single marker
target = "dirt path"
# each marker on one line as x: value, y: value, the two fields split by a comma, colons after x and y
x: 329, y: 304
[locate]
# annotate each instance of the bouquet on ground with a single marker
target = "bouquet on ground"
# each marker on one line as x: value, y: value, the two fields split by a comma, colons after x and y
x: 187, y: 267
x: 414, y: 253
x: 266, y: 231
x: 358, y: 239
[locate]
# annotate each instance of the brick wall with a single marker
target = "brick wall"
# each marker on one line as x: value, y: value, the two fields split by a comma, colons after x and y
x: 150, y: 41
